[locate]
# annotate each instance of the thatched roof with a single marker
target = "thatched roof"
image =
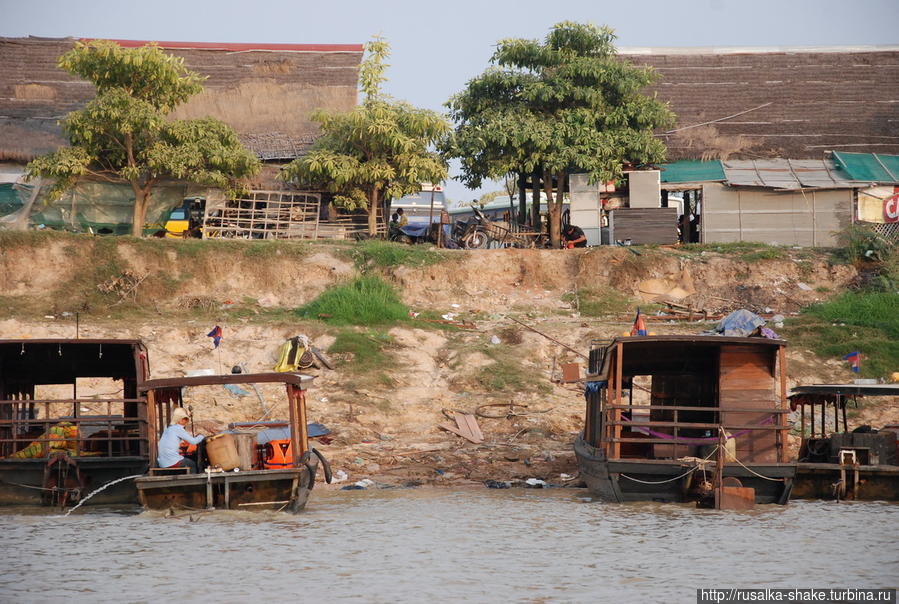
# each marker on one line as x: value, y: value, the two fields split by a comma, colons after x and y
x: 795, y: 103
x: 266, y: 92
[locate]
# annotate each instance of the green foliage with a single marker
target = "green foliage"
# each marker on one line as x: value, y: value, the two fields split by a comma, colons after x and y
x: 378, y: 150
x: 385, y: 254
x: 565, y: 105
x: 860, y: 244
x: 862, y: 321
x: 366, y: 300
x: 123, y: 135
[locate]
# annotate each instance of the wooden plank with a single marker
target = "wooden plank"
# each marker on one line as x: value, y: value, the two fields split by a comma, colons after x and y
x: 455, y: 431
x: 468, y: 423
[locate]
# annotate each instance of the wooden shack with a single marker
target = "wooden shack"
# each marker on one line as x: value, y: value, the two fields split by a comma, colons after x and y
x: 657, y: 404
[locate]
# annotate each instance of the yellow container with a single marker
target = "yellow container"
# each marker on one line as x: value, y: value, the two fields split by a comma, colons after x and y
x: 222, y: 451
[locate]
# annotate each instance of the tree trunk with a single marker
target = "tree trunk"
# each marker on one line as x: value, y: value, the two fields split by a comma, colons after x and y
x: 552, y: 212
x: 373, y: 212
x: 141, y: 202
x: 522, y: 199
x: 535, y: 201
x: 555, y: 207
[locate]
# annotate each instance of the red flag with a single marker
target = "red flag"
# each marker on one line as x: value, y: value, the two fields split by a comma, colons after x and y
x: 216, y: 335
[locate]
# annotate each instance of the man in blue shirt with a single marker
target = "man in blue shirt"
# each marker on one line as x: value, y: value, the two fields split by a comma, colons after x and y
x: 170, y: 443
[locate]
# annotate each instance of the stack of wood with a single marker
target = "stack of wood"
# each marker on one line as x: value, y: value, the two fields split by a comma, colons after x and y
x: 466, y: 427
x: 681, y: 312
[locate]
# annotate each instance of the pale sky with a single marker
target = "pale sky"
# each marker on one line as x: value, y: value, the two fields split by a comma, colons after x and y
x: 438, y: 46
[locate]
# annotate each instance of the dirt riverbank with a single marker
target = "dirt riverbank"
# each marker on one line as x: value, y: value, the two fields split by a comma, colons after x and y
x: 384, y: 421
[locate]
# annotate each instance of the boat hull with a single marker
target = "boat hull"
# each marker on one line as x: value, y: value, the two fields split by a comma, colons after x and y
x: 622, y: 480
x: 286, y: 489
x: 22, y: 481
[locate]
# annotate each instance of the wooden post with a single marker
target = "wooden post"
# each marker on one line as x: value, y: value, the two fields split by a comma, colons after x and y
x: 294, y: 425
x: 719, y: 468
x: 619, y: 369
x: 303, y: 437
x: 782, y: 417
x: 151, y: 425
x: 813, y: 420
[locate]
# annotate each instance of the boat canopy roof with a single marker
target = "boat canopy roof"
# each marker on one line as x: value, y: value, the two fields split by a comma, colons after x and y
x: 647, y: 355
x: 297, y: 379
x: 848, y: 389
x: 63, y: 360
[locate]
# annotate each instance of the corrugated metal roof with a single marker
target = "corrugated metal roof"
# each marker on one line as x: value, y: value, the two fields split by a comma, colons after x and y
x: 787, y: 174
x: 692, y: 171
x: 869, y: 167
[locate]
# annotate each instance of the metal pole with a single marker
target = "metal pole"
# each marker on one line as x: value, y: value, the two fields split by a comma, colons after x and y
x: 550, y: 339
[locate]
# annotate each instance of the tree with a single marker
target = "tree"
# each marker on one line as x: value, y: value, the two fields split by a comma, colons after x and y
x: 122, y: 135
x: 546, y: 109
x: 379, y: 151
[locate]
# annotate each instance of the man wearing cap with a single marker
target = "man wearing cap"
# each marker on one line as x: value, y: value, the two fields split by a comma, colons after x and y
x: 170, y: 442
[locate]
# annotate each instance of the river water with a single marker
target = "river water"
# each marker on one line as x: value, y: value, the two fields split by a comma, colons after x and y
x: 434, y: 545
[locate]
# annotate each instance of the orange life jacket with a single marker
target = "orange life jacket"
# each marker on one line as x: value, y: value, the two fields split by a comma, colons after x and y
x: 278, y: 454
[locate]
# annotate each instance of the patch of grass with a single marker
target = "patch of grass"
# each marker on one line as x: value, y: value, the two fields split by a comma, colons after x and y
x: 747, y: 251
x: 13, y: 239
x: 864, y: 321
x: 386, y: 254
x: 366, y: 300
x: 771, y: 253
x: 600, y: 303
x: 367, y: 349
x: 508, y: 374
x: 734, y: 247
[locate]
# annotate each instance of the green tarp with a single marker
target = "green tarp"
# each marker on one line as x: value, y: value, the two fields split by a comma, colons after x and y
x: 102, y: 208
x: 868, y: 167
x: 692, y: 171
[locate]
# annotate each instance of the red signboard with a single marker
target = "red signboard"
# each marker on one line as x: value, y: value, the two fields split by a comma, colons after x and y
x: 891, y: 208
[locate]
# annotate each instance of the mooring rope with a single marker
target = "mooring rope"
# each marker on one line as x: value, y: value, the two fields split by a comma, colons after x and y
x: 700, y: 462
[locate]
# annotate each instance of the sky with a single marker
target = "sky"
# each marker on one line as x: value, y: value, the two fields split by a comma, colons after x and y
x: 438, y: 46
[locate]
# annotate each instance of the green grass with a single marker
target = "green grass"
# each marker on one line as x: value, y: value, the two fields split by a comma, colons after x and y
x: 366, y: 300
x: 508, y: 374
x: 368, y: 352
x: 747, y: 251
x: 386, y: 254
x: 865, y: 321
x: 600, y: 303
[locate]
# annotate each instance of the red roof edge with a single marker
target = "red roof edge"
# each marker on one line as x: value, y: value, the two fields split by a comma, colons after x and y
x: 238, y: 46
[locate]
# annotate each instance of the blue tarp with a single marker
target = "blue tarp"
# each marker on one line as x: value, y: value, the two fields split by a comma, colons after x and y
x: 416, y: 229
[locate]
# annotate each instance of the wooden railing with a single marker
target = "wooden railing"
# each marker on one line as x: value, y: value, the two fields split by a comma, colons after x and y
x: 26, y: 421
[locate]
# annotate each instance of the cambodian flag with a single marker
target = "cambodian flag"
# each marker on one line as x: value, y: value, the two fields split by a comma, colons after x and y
x: 854, y: 359
x: 639, y: 328
x: 216, y: 335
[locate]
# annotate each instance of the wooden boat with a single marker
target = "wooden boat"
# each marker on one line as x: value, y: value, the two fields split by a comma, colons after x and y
x: 252, y: 487
x: 71, y: 420
x: 859, y: 464
x: 662, y: 411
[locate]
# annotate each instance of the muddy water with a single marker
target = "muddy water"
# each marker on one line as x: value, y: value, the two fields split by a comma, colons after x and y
x: 436, y: 545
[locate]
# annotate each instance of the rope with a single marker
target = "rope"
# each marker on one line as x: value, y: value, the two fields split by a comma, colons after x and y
x: 690, y: 471
x: 751, y: 471
x: 25, y: 486
x: 700, y: 463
